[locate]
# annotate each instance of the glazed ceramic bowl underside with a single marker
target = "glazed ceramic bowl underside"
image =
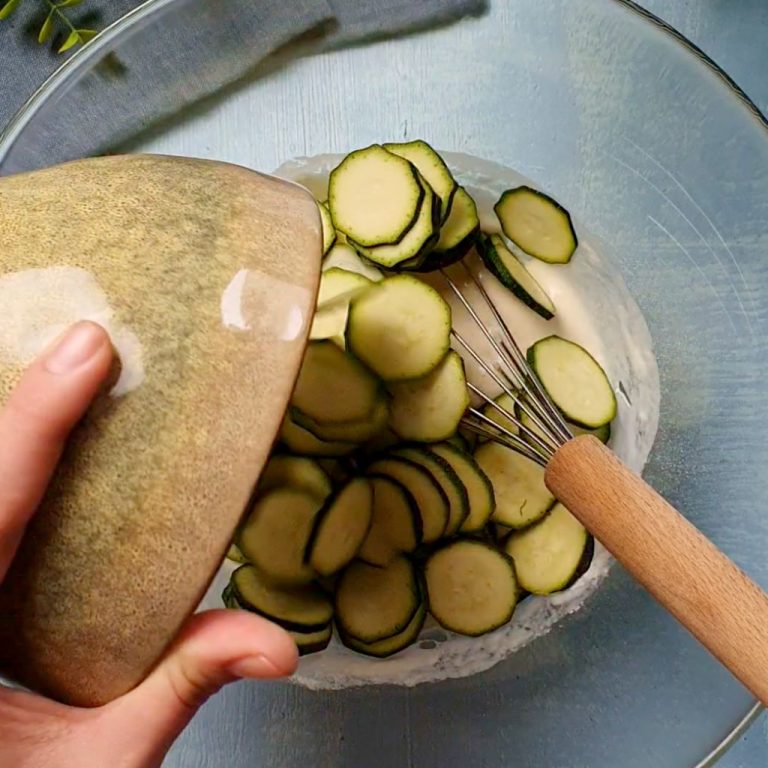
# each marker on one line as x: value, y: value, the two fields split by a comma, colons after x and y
x: 659, y: 156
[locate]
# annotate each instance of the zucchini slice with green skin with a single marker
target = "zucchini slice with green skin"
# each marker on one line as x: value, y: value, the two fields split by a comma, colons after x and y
x: 513, y: 275
x: 432, y: 167
x: 446, y: 477
x: 333, y: 386
x: 312, y: 642
x: 330, y: 320
x: 349, y: 431
x: 381, y: 442
x: 344, y: 256
x: 537, y: 224
x: 329, y: 231
x: 428, y: 494
x: 603, y: 434
x: 457, y: 235
x: 522, y: 498
x: 419, y: 239
x: 548, y: 554
x: 574, y: 380
x: 295, y: 472
x: 459, y: 441
x: 375, y: 603
x: 374, y: 196
x: 235, y: 555
x: 382, y: 649
x: 303, y: 609
x: 274, y: 536
x: 395, y: 522
x: 430, y: 409
x: 472, y: 588
x: 482, y: 501
x: 340, y: 527
x: 400, y: 328
x: 303, y: 443
x: 228, y: 597
x: 494, y: 414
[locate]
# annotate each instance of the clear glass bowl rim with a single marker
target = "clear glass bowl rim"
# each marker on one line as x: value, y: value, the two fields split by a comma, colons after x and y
x: 82, y: 57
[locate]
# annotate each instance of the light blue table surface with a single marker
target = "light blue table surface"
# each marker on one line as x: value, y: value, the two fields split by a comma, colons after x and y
x: 735, y: 34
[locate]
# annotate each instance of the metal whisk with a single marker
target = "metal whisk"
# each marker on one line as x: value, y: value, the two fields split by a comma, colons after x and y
x: 516, y: 379
x: 684, y: 571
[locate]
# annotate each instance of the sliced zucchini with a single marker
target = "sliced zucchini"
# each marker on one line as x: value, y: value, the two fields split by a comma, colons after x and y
x: 374, y: 196
x: 471, y: 586
x: 446, y: 477
x: 574, y: 381
x: 338, y: 471
x: 274, y: 537
x: 457, y: 235
x: 432, y: 167
x: 479, y: 489
x: 400, y: 328
x: 350, y: 431
x: 537, y: 224
x: 329, y: 231
x: 603, y: 434
x: 235, y: 555
x: 548, y: 554
x: 333, y: 386
x: 513, y: 275
x: 303, y: 443
x: 389, y: 646
x: 303, y: 609
x: 295, y: 472
x: 381, y: 442
x: 460, y: 442
x: 416, y: 242
x: 374, y: 603
x: 337, y: 287
x: 522, y: 498
x: 228, y: 597
x: 506, y: 403
x: 429, y: 409
x: 340, y: 527
x: 344, y: 256
x: 395, y: 522
x: 428, y: 494
x: 312, y: 642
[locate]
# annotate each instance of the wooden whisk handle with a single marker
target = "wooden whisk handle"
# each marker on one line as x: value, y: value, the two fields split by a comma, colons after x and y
x: 723, y: 608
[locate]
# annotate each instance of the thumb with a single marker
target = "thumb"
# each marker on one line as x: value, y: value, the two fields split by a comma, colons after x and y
x: 215, y: 648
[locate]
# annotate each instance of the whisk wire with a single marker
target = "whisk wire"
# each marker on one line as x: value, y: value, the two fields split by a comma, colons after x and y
x: 546, y: 431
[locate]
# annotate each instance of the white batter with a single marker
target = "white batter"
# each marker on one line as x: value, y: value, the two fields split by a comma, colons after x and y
x: 594, y: 309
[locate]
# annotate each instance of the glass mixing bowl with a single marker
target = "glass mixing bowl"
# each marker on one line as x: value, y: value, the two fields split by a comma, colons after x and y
x: 657, y: 153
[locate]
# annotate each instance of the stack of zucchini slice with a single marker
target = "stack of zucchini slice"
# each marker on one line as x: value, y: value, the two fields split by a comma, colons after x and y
x: 374, y: 511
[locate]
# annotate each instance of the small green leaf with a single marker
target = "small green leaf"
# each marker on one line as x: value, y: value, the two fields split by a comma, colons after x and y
x: 8, y: 8
x: 68, y: 3
x: 87, y: 34
x: 70, y: 42
x: 46, y: 30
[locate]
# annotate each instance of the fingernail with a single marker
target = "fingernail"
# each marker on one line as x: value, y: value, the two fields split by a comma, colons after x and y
x: 74, y: 348
x: 256, y: 667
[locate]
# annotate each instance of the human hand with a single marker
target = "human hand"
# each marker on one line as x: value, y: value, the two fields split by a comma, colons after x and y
x: 213, y: 649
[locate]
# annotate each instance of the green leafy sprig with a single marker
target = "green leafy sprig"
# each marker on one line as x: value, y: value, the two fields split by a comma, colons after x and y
x: 56, y: 20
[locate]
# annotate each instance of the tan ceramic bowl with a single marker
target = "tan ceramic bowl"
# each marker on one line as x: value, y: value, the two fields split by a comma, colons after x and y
x: 205, y: 275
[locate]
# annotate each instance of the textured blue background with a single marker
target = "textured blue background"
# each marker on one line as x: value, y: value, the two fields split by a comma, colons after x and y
x: 735, y: 34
